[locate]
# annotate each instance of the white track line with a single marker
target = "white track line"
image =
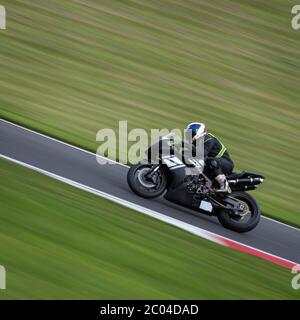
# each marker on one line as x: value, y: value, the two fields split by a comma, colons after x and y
x: 159, y: 216
x: 282, y: 223
x: 113, y: 161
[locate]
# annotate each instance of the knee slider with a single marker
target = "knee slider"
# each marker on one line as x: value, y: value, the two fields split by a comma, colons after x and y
x: 213, y: 164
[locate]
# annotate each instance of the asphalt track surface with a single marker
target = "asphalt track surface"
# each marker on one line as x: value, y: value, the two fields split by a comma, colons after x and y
x: 80, y: 166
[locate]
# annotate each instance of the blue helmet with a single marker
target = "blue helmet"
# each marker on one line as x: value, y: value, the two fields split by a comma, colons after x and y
x: 195, y: 130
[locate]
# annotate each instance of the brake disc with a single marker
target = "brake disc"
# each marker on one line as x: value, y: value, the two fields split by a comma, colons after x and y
x: 141, y: 177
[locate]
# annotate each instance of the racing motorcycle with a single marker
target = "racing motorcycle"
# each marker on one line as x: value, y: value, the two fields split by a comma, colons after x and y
x: 237, y: 210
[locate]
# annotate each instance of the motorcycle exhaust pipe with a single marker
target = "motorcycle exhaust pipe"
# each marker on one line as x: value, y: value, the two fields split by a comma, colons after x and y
x: 251, y: 181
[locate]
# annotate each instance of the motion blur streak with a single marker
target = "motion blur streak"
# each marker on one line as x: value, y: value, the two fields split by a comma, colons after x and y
x: 70, y: 68
x: 180, y: 224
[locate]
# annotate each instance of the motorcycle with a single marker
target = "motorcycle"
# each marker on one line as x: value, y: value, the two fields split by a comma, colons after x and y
x: 237, y: 210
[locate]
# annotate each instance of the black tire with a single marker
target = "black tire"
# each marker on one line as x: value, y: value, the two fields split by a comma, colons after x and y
x: 239, y: 225
x: 141, y: 190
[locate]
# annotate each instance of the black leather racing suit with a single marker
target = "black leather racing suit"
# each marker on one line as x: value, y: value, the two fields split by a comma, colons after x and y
x: 216, y: 157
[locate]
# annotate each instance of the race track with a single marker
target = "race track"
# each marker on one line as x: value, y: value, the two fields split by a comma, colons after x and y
x: 80, y: 166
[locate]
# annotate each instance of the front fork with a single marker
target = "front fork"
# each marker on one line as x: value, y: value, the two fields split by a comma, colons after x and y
x: 152, y: 172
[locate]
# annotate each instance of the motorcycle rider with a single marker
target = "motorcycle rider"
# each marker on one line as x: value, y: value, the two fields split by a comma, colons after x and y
x: 216, y: 157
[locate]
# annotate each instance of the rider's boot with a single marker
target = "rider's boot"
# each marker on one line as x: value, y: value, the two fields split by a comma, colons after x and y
x: 224, y: 185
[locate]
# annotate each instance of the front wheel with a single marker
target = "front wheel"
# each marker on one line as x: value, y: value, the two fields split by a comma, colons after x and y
x: 143, y: 183
x: 247, y: 220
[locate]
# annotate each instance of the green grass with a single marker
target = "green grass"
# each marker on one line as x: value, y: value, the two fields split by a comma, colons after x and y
x: 60, y: 242
x: 70, y: 68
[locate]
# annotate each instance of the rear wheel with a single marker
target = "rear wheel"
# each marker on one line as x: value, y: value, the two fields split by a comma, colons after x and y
x: 145, y: 185
x: 247, y: 219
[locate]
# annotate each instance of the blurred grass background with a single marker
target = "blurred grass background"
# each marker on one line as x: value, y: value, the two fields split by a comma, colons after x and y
x: 58, y: 242
x: 70, y: 68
